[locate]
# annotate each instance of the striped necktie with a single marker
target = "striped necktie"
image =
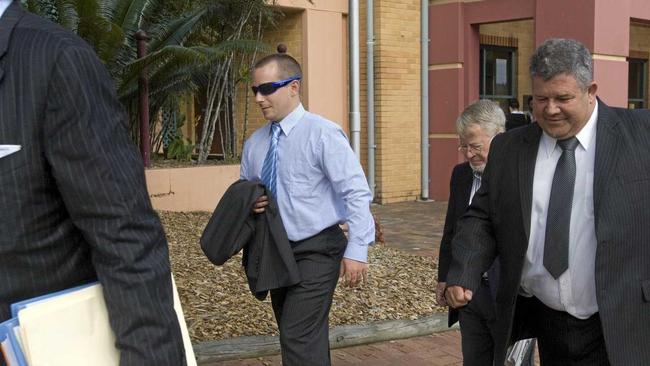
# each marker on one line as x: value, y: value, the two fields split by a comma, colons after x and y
x: 269, y: 169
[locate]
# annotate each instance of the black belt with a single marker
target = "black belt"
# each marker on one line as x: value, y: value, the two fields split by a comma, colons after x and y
x: 327, y: 231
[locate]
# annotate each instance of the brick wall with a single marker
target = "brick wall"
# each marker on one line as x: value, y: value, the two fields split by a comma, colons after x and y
x: 397, y: 99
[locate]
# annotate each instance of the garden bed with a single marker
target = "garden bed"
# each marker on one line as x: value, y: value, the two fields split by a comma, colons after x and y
x: 218, y: 304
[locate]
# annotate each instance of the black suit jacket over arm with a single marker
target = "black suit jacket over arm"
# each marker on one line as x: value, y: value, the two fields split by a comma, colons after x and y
x: 268, y: 256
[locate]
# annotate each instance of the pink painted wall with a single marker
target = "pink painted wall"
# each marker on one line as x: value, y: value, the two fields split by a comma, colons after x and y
x: 324, y: 64
x: 612, y: 28
x: 189, y: 189
x: 566, y: 19
x: 445, y: 34
x: 444, y: 156
x: 445, y: 100
x: 611, y: 78
x: 641, y: 9
x: 499, y: 10
x: 471, y: 65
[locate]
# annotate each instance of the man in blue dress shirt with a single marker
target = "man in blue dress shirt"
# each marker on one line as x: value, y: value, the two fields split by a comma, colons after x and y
x: 306, y: 162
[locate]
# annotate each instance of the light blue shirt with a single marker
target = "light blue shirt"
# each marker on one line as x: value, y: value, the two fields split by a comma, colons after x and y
x: 319, y: 179
x: 4, y: 4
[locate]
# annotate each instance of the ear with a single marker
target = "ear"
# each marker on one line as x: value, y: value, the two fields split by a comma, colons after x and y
x: 591, y: 90
x: 294, y: 88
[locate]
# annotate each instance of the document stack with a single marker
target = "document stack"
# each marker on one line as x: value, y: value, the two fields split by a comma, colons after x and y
x: 67, y: 328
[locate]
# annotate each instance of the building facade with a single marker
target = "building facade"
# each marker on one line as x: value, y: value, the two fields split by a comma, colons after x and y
x: 477, y: 49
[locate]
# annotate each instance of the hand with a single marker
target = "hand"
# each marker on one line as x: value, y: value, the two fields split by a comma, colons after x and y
x: 457, y: 296
x: 440, y: 294
x: 260, y: 204
x: 353, y: 272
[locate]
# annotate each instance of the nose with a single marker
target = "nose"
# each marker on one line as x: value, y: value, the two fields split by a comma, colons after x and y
x: 552, y: 107
x: 469, y: 154
x: 259, y: 97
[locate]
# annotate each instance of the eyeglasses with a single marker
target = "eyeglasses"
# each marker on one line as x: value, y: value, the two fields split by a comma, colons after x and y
x: 272, y: 87
x: 474, y: 149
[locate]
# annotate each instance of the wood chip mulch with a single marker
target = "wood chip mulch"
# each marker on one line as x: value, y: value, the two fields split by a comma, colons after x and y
x: 218, y: 304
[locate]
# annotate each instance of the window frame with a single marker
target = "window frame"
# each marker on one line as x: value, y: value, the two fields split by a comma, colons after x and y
x: 644, y: 82
x: 502, y: 99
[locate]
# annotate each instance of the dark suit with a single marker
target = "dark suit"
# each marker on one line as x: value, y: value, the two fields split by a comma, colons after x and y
x: 498, y: 223
x: 268, y: 256
x: 73, y: 200
x: 514, y: 120
x: 478, y: 316
x: 460, y: 188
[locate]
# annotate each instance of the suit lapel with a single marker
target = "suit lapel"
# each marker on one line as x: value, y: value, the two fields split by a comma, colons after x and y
x: 527, y: 158
x: 465, y: 187
x: 607, y: 138
x: 8, y: 22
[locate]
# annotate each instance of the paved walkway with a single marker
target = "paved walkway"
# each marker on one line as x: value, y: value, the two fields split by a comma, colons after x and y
x: 435, y: 350
x: 414, y: 227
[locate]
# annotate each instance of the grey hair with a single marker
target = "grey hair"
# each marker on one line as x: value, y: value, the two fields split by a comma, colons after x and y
x: 563, y: 56
x: 484, y: 113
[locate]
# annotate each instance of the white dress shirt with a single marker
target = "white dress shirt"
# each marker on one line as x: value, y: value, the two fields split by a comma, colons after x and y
x: 320, y: 182
x: 575, y: 290
x: 4, y: 4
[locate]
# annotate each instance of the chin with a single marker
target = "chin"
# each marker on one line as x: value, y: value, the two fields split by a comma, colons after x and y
x: 557, y: 132
x: 478, y: 168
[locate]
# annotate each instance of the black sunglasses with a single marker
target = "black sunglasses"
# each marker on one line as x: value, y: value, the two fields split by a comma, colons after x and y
x: 270, y: 88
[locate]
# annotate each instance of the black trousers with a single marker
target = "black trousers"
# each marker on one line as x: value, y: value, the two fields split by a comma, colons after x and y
x: 563, y: 339
x: 302, y: 310
x: 476, y: 328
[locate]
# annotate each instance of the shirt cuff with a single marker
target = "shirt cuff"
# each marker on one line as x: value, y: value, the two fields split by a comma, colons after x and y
x: 357, y: 252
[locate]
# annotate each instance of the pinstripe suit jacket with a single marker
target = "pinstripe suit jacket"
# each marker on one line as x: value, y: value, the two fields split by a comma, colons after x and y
x: 73, y: 201
x: 498, y: 223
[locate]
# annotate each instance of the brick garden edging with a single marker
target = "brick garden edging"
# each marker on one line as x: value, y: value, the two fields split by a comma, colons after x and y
x: 341, y: 336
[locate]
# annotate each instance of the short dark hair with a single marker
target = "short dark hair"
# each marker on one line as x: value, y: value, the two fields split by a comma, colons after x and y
x: 563, y: 56
x: 513, y: 103
x: 287, y: 65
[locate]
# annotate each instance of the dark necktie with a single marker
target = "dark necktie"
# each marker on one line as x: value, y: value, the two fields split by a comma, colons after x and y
x: 558, y: 221
x: 269, y: 169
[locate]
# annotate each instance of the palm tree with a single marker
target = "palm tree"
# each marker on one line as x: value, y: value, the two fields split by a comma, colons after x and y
x: 192, y: 42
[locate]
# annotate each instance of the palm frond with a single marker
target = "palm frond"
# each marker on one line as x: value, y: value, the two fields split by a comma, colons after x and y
x: 177, y: 30
x: 127, y: 14
x: 186, y: 56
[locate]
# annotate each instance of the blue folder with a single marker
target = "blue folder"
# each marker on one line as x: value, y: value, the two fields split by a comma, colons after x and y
x: 15, y: 355
x: 20, y: 305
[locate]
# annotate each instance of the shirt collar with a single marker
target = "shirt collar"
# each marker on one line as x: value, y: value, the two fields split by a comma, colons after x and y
x: 291, y: 120
x: 584, y: 136
x: 4, y: 4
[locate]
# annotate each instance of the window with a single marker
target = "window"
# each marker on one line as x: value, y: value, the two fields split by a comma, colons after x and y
x: 497, y: 74
x: 636, y: 83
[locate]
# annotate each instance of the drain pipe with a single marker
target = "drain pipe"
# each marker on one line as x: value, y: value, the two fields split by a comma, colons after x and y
x: 370, y: 87
x: 355, y: 115
x: 424, y: 50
